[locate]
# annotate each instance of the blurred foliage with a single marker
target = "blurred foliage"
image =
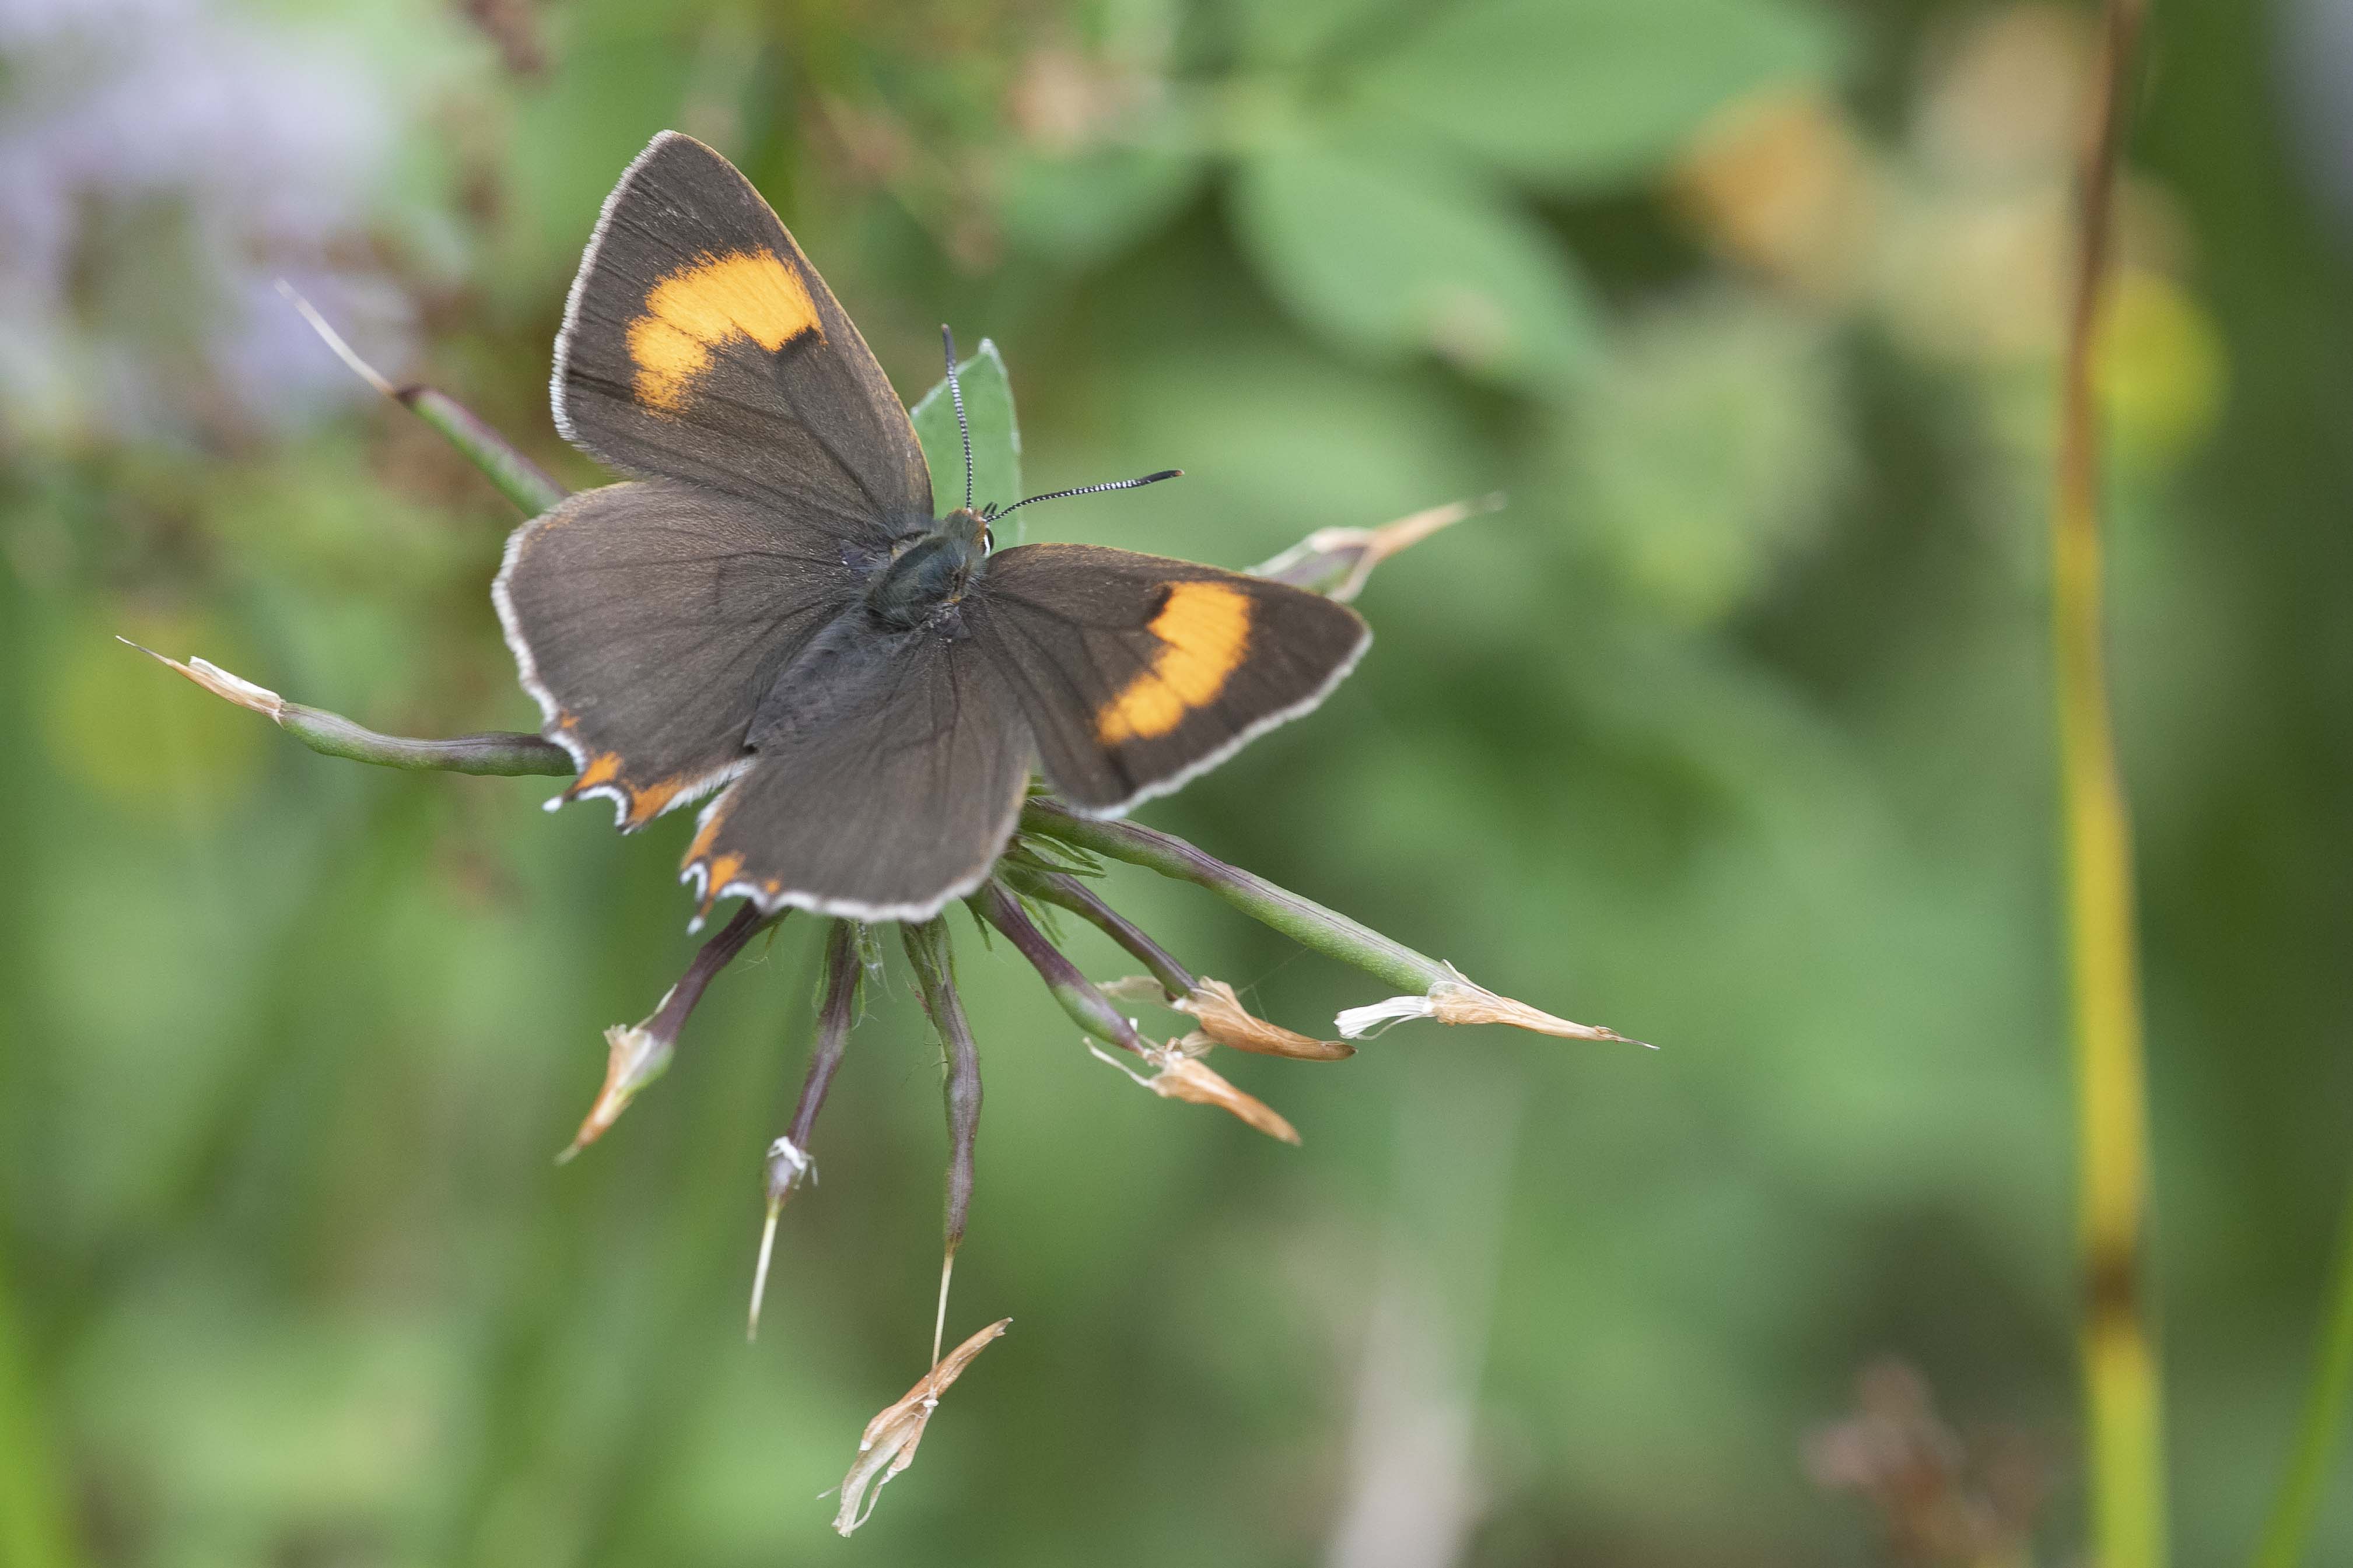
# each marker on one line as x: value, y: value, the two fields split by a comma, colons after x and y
x: 1730, y: 731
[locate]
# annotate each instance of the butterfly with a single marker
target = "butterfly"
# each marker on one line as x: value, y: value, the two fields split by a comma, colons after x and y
x: 769, y: 608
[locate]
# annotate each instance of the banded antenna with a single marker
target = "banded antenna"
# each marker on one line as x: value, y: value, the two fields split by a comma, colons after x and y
x: 956, y: 395
x: 992, y: 514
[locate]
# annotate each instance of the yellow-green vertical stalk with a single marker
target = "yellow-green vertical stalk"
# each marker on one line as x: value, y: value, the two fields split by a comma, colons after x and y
x: 2122, y: 1396
x: 2301, y: 1489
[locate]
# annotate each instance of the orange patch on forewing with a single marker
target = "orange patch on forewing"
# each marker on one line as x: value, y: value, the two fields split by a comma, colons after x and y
x: 1204, y: 633
x: 696, y: 310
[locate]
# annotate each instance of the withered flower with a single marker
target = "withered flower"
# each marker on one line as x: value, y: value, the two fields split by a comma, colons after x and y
x: 636, y: 1054
x: 887, y: 1446
x: 1453, y: 999
x: 1179, y: 1073
x: 1222, y: 1017
x: 1048, y: 867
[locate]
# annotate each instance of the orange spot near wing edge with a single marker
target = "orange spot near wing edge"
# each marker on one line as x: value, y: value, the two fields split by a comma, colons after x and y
x: 1204, y: 633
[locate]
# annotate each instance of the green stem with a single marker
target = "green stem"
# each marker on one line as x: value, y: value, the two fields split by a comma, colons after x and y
x: 1077, y: 995
x: 505, y: 752
x: 518, y: 478
x: 502, y: 751
x: 1067, y: 892
x: 2306, y: 1481
x: 834, y: 1016
x: 1303, y: 920
x: 934, y: 962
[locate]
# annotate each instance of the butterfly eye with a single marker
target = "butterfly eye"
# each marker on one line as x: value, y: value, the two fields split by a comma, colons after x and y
x: 987, y: 539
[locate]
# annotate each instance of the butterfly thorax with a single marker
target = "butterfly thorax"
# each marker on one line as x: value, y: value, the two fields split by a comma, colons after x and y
x: 933, y: 571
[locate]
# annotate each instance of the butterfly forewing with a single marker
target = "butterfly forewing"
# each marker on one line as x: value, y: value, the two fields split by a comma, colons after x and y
x: 1136, y: 672
x: 700, y: 344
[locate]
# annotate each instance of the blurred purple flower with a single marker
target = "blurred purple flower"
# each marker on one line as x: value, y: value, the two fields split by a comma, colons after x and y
x: 161, y: 162
x: 2315, y: 60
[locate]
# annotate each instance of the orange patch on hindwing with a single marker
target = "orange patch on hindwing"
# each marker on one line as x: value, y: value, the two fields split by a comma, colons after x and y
x: 696, y: 310
x: 723, y: 871
x: 653, y: 800
x: 601, y: 769
x: 1204, y: 633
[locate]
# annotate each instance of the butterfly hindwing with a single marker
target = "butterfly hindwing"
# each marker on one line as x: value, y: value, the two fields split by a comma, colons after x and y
x: 888, y: 791
x: 699, y: 343
x: 1136, y: 672
x: 649, y: 618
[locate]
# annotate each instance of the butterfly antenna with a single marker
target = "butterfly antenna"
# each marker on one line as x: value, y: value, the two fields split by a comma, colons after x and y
x: 1092, y: 490
x: 956, y: 395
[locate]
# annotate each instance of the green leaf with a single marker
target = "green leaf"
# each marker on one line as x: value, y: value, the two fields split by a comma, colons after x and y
x: 1078, y: 211
x: 1300, y: 30
x: 1389, y: 257
x: 1586, y: 93
x: 996, y: 437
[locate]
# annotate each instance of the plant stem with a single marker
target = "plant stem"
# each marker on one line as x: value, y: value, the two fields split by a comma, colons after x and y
x: 1088, y: 1007
x: 669, y: 1020
x: 1065, y: 892
x: 2122, y: 1390
x: 518, y: 478
x: 505, y: 752
x: 1303, y: 920
x: 2289, y: 1528
x: 842, y: 973
x: 934, y: 962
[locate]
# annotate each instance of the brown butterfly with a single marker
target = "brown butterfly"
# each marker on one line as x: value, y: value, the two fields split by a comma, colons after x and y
x: 771, y: 609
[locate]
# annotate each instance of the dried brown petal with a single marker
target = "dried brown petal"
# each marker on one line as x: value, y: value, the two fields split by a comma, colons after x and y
x: 1459, y: 1001
x: 789, y: 1165
x: 634, y: 1057
x: 220, y: 682
x: 1224, y: 1019
x: 1181, y: 1075
x: 1336, y: 562
x: 1134, y: 988
x: 887, y: 1446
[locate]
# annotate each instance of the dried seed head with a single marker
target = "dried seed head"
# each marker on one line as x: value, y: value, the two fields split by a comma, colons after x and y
x: 1180, y: 1074
x: 1336, y: 562
x: 221, y: 683
x: 887, y: 1446
x: 1134, y: 988
x: 634, y: 1057
x: 1222, y: 1017
x: 1459, y: 1001
x: 787, y: 1163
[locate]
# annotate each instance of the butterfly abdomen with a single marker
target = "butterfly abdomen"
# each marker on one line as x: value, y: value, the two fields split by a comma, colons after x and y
x: 839, y: 671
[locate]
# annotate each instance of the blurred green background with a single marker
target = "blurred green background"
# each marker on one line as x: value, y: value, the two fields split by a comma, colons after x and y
x: 1733, y: 733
